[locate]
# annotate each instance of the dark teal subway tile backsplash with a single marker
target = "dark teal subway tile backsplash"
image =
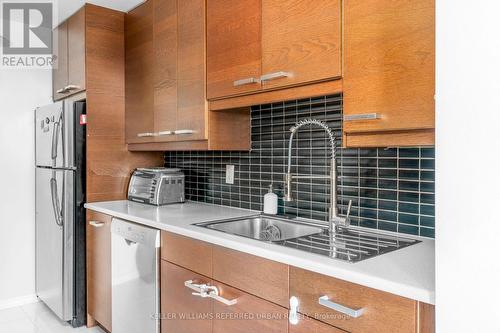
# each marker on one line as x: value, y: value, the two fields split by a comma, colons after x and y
x: 391, y: 189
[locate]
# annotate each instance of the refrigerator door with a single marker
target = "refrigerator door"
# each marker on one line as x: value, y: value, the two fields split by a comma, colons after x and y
x: 54, y: 136
x: 54, y: 239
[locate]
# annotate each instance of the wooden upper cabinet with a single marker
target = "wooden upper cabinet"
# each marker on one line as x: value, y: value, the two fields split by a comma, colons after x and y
x: 165, y: 64
x: 139, y: 71
x: 389, y: 72
x: 60, y: 70
x: 301, y: 41
x: 69, y: 71
x: 76, y: 51
x: 234, y: 47
x: 191, y: 100
x: 99, y: 268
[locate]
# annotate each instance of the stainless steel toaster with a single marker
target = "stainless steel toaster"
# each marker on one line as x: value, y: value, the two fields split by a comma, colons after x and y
x: 157, y: 186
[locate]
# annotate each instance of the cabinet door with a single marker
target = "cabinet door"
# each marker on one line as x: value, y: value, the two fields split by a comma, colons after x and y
x: 389, y: 69
x: 76, y: 52
x: 308, y: 325
x: 99, y: 268
x: 139, y: 71
x: 234, y: 48
x: 250, y: 314
x: 60, y: 70
x: 181, y: 310
x: 165, y: 74
x: 301, y: 41
x: 192, y: 106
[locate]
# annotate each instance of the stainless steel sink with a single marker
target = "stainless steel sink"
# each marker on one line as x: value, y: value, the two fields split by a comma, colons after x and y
x: 264, y: 228
x: 351, y: 244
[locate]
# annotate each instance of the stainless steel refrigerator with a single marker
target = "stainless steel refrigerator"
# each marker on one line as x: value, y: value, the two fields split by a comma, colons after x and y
x: 60, y: 215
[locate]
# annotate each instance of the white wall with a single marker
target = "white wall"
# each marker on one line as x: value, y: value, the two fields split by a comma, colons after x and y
x: 468, y: 166
x: 20, y: 92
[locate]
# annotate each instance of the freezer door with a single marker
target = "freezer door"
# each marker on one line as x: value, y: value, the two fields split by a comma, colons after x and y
x: 54, y: 239
x: 54, y: 135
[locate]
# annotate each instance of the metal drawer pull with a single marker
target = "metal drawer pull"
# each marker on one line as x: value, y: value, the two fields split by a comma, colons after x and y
x: 96, y: 224
x: 185, y: 131
x: 62, y: 91
x: 146, y: 135
x: 243, y: 82
x: 206, y: 291
x: 293, y: 316
x: 162, y: 133
x: 323, y: 300
x: 362, y: 116
x: 71, y: 87
x: 274, y: 76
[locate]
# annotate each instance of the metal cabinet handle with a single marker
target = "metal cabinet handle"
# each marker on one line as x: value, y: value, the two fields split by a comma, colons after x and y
x: 207, y: 291
x: 61, y: 91
x: 71, y: 87
x: 361, y: 116
x: 96, y: 224
x: 274, y: 76
x: 184, y: 131
x: 163, y: 133
x: 293, y: 316
x: 243, y: 82
x: 354, y: 313
x: 146, y: 135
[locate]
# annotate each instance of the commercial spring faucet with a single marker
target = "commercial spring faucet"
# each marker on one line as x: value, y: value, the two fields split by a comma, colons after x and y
x: 333, y: 218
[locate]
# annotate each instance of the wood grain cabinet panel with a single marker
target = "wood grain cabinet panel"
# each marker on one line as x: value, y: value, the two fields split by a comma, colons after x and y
x: 383, y: 312
x: 234, y: 48
x: 192, y: 116
x: 60, y: 69
x: 139, y: 71
x: 99, y: 268
x: 165, y: 73
x: 301, y: 38
x: 76, y: 51
x: 250, y: 314
x: 181, y: 311
x: 187, y: 252
x: 261, y: 277
x: 389, y: 70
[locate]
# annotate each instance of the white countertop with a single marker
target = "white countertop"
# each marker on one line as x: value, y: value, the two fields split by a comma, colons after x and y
x: 408, y: 272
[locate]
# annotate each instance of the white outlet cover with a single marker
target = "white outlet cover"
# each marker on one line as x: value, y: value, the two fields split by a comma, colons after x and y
x: 229, y: 174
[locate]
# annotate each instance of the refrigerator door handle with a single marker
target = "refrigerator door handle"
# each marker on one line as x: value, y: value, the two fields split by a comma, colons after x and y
x: 55, y: 139
x: 55, y: 202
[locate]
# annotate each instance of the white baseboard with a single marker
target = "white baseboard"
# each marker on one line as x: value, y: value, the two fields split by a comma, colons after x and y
x: 17, y: 301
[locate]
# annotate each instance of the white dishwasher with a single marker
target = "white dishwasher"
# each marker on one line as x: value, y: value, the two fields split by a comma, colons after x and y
x: 135, y: 278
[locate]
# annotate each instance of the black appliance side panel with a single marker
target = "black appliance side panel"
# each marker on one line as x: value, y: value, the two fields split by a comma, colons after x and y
x: 80, y: 283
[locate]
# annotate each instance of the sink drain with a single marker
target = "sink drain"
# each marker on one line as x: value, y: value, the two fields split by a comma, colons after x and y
x: 270, y: 233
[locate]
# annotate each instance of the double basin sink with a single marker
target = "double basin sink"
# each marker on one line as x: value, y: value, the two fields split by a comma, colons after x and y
x: 350, y: 244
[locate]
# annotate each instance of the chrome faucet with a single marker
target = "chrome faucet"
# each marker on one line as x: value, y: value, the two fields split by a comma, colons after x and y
x: 333, y: 218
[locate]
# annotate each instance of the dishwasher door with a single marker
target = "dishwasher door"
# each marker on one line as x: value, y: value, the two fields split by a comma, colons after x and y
x: 135, y: 278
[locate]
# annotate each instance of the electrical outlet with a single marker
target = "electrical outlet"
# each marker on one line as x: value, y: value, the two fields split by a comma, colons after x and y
x: 229, y: 174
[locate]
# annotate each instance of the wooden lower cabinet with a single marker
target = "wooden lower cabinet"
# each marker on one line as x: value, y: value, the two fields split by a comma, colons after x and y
x: 180, y: 310
x: 250, y: 314
x: 99, y: 269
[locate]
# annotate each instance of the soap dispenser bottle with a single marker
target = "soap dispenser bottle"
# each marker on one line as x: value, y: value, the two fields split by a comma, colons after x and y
x: 271, y: 202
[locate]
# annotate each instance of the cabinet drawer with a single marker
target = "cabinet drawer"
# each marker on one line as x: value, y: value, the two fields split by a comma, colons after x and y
x: 261, y: 277
x: 382, y: 312
x: 182, y: 311
x: 250, y: 314
x: 186, y: 252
